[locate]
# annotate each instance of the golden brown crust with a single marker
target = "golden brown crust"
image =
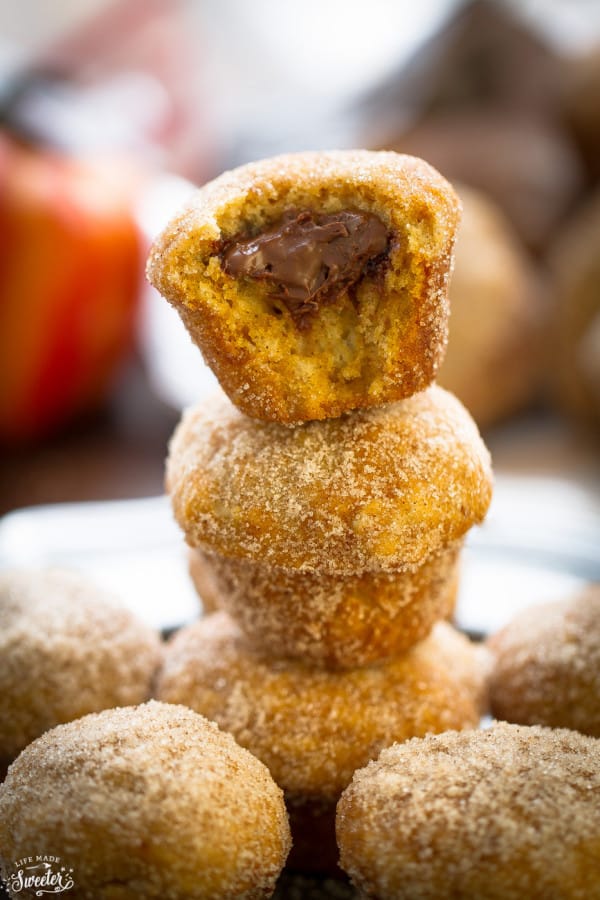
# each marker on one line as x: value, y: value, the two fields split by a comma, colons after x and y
x: 376, y: 490
x: 314, y: 727
x: 499, y: 814
x: 67, y: 648
x: 385, y: 346
x: 547, y: 665
x: 150, y: 801
x: 331, y: 620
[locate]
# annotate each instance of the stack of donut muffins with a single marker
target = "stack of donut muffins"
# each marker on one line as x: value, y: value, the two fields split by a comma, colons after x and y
x: 325, y: 508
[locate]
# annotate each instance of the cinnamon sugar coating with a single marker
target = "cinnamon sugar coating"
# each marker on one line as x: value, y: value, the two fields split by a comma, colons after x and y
x: 330, y: 620
x: 67, y: 648
x: 313, y: 727
x: 375, y: 341
x: 376, y: 490
x: 499, y: 814
x: 148, y: 802
x: 547, y: 665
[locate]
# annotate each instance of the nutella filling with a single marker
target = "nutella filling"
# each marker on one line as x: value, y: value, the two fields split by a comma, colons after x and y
x: 310, y: 259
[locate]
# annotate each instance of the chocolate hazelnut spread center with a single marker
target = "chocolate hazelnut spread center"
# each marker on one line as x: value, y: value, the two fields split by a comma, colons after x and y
x: 310, y: 258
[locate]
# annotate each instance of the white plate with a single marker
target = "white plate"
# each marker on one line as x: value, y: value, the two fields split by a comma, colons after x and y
x: 541, y: 540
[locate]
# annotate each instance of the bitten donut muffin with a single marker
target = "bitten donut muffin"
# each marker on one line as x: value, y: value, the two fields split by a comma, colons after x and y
x: 148, y: 802
x: 315, y: 283
x: 499, y: 814
x: 66, y: 649
x: 377, y: 490
x: 547, y: 665
x: 313, y: 727
x: 331, y: 620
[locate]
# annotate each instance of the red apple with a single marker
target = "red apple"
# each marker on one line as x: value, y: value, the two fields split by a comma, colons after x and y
x: 70, y: 257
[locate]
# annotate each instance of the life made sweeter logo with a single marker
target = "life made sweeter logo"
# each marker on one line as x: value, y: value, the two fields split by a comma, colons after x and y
x: 40, y: 874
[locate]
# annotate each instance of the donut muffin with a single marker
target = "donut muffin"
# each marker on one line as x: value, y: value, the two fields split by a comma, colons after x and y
x: 331, y: 620
x: 575, y: 263
x: 378, y: 490
x: 148, y: 802
x: 527, y: 165
x: 499, y: 814
x: 66, y: 649
x: 313, y: 727
x: 204, y: 581
x: 315, y: 283
x: 498, y: 332
x: 547, y: 665
x: 581, y: 91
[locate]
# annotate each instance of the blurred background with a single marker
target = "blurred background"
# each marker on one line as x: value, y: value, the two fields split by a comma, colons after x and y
x: 110, y: 112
